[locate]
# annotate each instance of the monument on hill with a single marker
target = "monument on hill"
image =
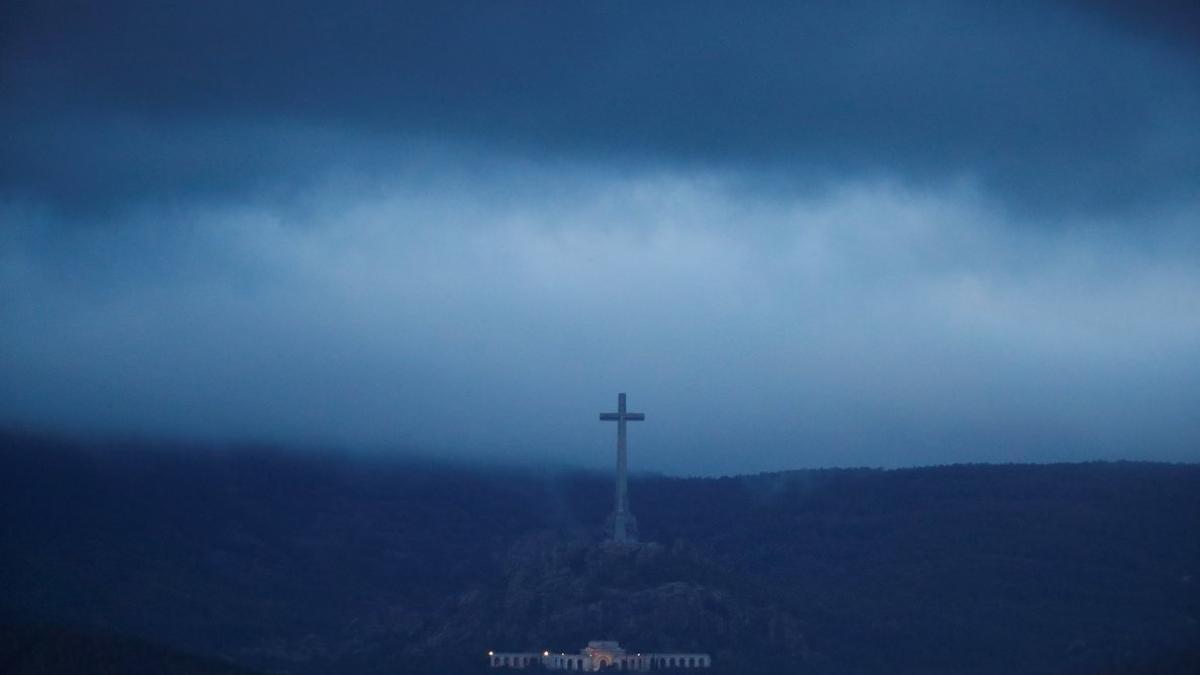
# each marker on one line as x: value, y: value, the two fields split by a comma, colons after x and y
x: 622, y: 526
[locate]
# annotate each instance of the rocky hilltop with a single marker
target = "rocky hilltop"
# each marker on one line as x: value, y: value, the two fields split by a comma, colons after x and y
x: 648, y: 596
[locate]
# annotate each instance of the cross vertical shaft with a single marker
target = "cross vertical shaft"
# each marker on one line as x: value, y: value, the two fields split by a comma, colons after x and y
x: 622, y: 497
x: 624, y: 526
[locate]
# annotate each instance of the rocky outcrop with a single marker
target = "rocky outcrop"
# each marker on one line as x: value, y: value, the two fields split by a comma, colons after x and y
x: 559, y: 595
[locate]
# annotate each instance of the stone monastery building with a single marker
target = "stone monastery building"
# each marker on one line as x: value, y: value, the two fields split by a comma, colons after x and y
x: 599, y: 655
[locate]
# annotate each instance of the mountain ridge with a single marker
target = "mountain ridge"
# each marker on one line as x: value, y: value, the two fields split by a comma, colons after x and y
x: 314, y: 563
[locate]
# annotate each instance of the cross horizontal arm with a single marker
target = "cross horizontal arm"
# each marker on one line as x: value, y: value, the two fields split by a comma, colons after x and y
x: 610, y: 417
x: 617, y: 417
x: 635, y: 417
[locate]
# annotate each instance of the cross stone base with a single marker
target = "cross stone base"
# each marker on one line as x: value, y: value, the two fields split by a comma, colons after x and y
x: 631, y: 528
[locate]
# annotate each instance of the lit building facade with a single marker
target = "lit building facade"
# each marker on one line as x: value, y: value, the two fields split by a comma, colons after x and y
x: 599, y: 655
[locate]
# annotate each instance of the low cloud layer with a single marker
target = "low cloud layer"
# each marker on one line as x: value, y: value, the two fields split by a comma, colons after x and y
x: 495, y: 314
x: 880, y: 234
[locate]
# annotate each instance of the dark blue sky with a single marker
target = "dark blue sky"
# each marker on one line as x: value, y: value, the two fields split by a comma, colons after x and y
x: 823, y: 234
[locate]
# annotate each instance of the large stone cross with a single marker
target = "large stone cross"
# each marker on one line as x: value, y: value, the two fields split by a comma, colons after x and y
x: 623, y: 525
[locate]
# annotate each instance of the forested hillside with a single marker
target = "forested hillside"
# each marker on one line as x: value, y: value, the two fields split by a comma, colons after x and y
x: 310, y: 563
